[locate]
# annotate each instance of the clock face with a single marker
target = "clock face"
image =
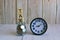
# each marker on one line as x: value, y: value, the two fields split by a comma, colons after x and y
x: 38, y: 26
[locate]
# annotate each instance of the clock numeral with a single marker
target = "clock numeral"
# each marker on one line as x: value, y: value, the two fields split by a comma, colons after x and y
x: 33, y: 28
x: 38, y: 31
x: 41, y: 30
x: 37, y: 20
x: 32, y: 25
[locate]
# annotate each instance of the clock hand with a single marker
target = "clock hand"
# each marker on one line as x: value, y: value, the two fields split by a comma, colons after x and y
x: 38, y: 25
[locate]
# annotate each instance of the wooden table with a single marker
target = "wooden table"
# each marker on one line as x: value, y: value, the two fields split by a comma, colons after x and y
x: 8, y: 32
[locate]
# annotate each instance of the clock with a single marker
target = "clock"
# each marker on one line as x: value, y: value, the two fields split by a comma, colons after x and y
x: 38, y: 26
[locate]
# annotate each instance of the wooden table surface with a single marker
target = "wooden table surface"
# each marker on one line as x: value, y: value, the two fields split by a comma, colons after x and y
x: 8, y: 32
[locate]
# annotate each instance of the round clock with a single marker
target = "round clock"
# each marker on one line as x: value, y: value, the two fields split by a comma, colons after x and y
x: 38, y: 26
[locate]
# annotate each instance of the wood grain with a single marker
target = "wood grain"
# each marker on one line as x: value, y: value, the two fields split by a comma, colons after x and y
x: 1, y: 11
x: 9, y: 11
x: 34, y: 9
x: 49, y: 11
x: 58, y: 12
x: 23, y: 5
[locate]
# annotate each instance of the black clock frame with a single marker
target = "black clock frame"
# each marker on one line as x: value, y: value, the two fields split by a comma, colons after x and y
x: 45, y: 26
